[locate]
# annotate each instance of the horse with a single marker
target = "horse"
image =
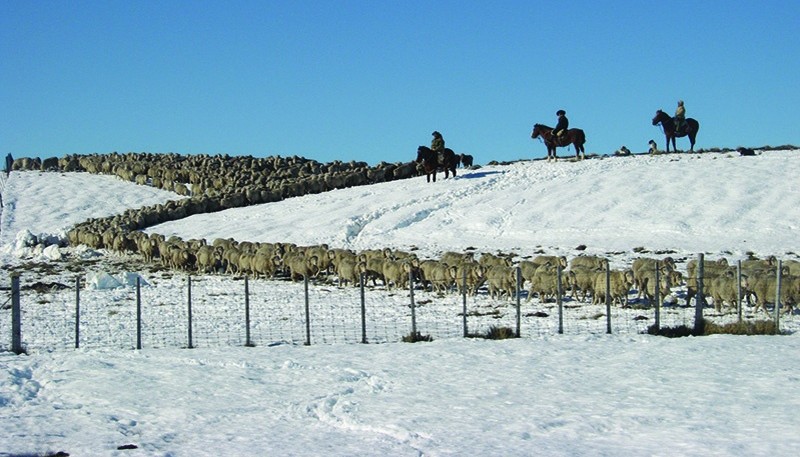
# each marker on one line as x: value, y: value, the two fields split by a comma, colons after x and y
x: 431, y: 162
x: 690, y: 128
x: 575, y: 137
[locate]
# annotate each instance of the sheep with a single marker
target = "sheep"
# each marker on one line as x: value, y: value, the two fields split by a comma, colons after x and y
x: 647, y: 284
x: 488, y: 260
x: 711, y: 269
x: 265, y: 265
x: 501, y: 280
x: 745, y: 151
x: 725, y: 287
x: 620, y: 282
x: 588, y: 261
x: 302, y: 267
x: 644, y: 269
x: 553, y: 260
x: 583, y: 279
x: 396, y: 273
x: 475, y: 275
x: 454, y: 258
x: 544, y: 282
x: 350, y: 270
x: 209, y: 259
x: 440, y: 275
x: 764, y: 287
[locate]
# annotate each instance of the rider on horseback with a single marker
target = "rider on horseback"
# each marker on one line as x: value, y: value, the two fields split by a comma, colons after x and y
x: 680, y: 117
x: 437, y: 146
x: 562, y: 126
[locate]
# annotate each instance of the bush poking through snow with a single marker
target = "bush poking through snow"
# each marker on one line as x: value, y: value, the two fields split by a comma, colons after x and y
x: 415, y: 337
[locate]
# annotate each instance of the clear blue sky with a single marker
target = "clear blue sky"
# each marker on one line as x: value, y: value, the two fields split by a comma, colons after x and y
x: 370, y: 80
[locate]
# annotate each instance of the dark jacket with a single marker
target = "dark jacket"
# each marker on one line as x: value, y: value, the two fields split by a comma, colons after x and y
x: 563, y: 124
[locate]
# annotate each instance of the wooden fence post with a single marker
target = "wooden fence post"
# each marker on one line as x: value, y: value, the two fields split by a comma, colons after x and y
x: 698, y: 310
x: 657, y: 297
x: 739, y: 289
x: 464, y: 301
x: 16, y: 316
x: 558, y: 300
x: 608, y: 297
x: 778, y: 299
x: 189, y: 310
x: 518, y: 330
x: 308, y: 312
x: 247, y: 341
x: 413, y: 315
x: 138, y: 313
x: 78, y: 312
x: 364, y: 308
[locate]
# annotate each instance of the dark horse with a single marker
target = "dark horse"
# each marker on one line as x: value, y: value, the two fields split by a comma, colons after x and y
x: 690, y: 128
x: 575, y: 137
x: 432, y: 162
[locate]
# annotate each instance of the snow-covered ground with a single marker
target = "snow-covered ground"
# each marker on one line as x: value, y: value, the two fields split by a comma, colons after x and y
x: 581, y: 393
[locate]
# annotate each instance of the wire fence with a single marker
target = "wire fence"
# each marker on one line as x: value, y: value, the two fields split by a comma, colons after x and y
x: 220, y: 311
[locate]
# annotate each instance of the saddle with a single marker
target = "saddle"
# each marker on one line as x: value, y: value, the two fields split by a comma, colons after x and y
x: 680, y: 127
x: 561, y: 140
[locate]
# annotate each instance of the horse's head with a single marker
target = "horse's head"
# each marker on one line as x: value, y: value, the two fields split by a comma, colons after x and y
x: 541, y: 130
x: 659, y: 117
x: 422, y: 153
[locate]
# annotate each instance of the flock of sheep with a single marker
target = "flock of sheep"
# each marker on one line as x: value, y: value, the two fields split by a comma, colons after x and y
x: 220, y: 182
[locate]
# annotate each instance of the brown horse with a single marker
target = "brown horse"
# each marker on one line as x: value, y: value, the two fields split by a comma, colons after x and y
x: 431, y: 162
x: 575, y: 137
x: 689, y: 129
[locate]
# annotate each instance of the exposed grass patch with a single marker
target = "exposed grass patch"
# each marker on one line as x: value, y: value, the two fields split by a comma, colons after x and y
x: 759, y: 327
x: 416, y: 337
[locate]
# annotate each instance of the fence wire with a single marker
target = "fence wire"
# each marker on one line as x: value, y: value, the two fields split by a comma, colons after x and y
x: 226, y: 313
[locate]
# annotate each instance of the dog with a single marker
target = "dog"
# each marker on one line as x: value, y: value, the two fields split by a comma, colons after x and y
x: 653, y: 147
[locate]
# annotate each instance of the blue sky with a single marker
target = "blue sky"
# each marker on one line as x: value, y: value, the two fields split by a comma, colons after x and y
x: 370, y: 80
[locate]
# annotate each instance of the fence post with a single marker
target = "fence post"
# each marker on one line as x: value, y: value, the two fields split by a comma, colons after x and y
x: 138, y: 313
x: 308, y: 313
x: 608, y: 297
x: 698, y: 310
x: 189, y: 304
x: 413, y: 316
x: 558, y: 300
x: 778, y: 299
x: 78, y: 312
x: 519, y: 289
x: 464, y: 300
x: 739, y: 289
x: 364, y: 308
x: 657, y: 297
x: 16, y: 316
x: 247, y: 341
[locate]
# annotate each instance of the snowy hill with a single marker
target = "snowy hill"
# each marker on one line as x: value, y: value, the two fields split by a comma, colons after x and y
x: 581, y: 393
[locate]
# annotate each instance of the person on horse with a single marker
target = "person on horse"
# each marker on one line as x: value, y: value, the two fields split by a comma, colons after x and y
x: 680, y: 117
x: 437, y: 144
x: 561, y: 126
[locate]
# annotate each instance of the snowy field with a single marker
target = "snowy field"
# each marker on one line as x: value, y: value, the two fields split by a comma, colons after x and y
x: 581, y: 393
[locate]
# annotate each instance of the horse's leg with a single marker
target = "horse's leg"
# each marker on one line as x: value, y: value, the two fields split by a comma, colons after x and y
x: 667, y: 141
x: 691, y: 142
